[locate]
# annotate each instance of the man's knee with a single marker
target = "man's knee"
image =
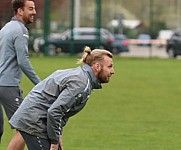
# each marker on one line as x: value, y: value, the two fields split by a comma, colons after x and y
x: 17, y: 142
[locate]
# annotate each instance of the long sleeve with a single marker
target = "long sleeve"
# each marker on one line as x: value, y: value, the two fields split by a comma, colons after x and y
x: 66, y: 101
x: 21, y: 48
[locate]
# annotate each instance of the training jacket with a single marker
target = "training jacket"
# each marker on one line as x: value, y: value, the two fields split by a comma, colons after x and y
x: 14, y: 57
x: 47, y: 108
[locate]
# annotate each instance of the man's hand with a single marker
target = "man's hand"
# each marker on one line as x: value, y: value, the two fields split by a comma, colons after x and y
x: 54, y: 147
x: 61, y: 143
x: 57, y: 146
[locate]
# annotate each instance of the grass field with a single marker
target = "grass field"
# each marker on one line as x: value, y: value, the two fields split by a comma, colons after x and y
x: 140, y: 109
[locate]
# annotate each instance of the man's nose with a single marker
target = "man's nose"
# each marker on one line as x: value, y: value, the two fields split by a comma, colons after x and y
x: 113, y: 71
x: 34, y: 11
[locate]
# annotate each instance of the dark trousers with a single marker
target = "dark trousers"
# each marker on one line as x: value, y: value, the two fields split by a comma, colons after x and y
x: 35, y: 142
x: 1, y: 122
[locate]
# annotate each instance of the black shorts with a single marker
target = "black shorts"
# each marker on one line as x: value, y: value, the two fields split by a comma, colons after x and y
x: 10, y: 97
x: 35, y: 142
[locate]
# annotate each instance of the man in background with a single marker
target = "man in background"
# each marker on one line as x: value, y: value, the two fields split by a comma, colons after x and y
x: 14, y: 60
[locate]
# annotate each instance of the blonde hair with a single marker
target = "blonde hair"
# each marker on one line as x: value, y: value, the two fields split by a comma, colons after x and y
x: 90, y: 57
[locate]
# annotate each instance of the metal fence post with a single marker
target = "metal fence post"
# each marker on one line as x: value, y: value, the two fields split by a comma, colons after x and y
x: 46, y: 25
x: 98, y: 22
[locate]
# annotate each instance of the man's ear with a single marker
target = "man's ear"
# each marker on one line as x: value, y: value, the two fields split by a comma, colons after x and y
x: 98, y: 66
x: 20, y: 11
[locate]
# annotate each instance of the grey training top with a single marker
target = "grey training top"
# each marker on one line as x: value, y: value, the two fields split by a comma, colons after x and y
x: 50, y: 103
x: 14, y: 57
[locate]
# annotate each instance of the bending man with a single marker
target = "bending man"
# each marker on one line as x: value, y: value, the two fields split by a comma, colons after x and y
x: 47, y: 108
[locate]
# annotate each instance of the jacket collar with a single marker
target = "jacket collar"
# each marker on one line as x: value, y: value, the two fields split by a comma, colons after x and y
x: 16, y: 19
x: 95, y: 83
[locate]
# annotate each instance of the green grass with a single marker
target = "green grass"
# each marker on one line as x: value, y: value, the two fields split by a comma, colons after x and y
x: 140, y: 109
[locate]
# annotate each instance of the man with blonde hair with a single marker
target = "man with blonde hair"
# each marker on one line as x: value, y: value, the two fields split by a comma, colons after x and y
x: 46, y: 109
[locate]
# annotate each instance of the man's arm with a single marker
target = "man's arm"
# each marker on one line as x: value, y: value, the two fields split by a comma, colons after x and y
x: 57, y: 111
x: 21, y: 48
